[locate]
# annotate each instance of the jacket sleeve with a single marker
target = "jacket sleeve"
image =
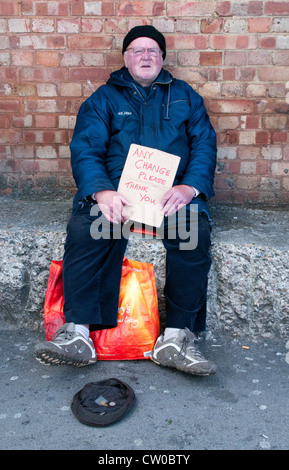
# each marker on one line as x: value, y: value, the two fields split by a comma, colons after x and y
x: 89, y: 145
x: 200, y: 170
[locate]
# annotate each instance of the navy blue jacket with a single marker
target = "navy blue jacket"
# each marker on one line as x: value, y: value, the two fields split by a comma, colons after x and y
x: 169, y: 116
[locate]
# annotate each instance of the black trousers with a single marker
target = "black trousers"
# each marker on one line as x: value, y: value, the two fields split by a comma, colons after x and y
x: 92, y: 265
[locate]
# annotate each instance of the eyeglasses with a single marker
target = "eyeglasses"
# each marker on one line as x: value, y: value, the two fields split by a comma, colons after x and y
x: 139, y: 51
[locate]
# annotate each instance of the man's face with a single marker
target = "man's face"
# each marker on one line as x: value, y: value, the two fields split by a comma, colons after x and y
x: 144, y: 68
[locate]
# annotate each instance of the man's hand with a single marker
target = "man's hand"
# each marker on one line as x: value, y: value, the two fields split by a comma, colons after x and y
x: 176, y: 198
x: 111, y: 203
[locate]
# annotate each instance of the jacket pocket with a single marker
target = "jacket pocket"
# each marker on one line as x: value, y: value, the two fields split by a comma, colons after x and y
x: 179, y: 111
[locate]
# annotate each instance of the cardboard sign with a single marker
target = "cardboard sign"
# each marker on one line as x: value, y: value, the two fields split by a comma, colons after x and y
x: 147, y: 175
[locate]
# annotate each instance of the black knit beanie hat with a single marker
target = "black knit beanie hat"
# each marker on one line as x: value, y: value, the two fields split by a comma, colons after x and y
x: 146, y: 31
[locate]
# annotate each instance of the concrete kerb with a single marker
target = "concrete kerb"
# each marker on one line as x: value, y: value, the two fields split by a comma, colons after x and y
x: 248, y: 282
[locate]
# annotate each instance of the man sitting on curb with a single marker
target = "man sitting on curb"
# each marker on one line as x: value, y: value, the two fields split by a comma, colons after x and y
x: 141, y: 103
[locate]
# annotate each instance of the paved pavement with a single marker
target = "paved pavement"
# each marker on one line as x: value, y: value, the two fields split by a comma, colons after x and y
x: 244, y: 406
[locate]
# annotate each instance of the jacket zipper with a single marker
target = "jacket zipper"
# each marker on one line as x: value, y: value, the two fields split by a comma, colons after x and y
x: 158, y: 83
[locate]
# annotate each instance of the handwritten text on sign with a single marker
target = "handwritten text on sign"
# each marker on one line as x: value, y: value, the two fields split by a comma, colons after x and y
x: 147, y: 175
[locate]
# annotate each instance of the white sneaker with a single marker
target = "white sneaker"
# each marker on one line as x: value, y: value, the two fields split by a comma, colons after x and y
x: 66, y: 347
x: 181, y: 353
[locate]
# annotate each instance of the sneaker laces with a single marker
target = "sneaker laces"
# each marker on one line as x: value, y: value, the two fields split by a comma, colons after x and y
x: 188, y: 345
x: 62, y: 334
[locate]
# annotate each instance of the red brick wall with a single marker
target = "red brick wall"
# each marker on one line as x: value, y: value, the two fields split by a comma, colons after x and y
x: 53, y: 54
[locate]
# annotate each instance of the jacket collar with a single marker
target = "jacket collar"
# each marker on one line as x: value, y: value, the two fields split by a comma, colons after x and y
x: 122, y: 77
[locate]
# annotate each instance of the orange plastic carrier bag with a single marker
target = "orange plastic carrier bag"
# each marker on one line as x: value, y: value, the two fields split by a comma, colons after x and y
x: 138, y: 324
